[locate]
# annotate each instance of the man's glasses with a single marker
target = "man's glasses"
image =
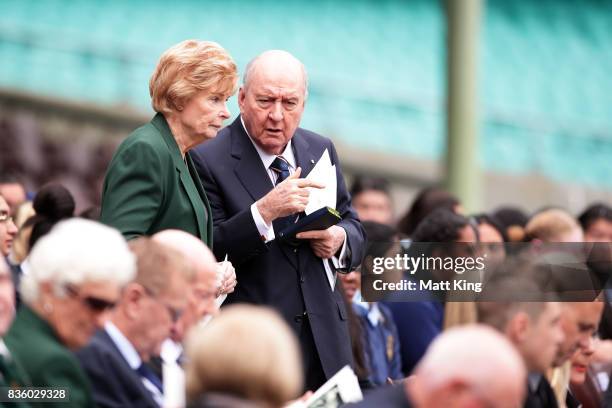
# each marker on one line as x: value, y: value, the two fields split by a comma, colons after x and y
x: 5, y: 217
x: 93, y: 303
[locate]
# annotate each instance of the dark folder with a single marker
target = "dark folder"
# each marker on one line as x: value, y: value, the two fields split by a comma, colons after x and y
x: 321, y: 219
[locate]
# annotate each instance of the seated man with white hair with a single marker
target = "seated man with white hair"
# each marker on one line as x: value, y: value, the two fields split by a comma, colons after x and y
x: 467, y: 366
x: 77, y: 272
x: 115, y: 359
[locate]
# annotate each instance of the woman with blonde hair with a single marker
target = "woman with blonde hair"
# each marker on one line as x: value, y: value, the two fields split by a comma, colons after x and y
x: 245, y: 357
x: 151, y: 184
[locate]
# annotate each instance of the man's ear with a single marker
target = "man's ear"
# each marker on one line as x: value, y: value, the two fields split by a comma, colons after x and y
x: 45, y: 292
x: 518, y: 327
x: 132, y: 297
x: 241, y: 97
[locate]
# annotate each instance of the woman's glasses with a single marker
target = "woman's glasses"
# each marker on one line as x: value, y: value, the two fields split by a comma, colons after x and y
x: 5, y: 217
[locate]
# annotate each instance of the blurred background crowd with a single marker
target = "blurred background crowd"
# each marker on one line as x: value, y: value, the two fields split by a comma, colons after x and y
x: 73, y: 85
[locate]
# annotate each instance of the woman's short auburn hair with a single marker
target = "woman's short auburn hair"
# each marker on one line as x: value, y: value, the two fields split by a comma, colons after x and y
x: 187, y: 68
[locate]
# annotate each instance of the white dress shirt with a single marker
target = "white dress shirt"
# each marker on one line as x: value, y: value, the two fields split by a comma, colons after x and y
x: 173, y: 373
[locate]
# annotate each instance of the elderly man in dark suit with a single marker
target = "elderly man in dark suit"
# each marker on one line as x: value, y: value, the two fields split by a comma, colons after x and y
x: 116, y: 358
x: 252, y: 176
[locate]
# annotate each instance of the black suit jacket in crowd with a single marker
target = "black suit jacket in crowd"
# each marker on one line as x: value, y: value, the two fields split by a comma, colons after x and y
x: 114, y: 383
x: 542, y: 397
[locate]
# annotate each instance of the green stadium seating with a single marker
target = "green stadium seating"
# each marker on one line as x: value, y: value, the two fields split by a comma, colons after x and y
x: 377, y: 68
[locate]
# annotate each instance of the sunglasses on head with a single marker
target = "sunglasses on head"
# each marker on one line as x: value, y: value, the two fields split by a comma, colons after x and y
x: 93, y: 303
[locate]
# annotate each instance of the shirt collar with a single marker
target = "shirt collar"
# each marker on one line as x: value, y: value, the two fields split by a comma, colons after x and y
x: 534, y: 380
x: 268, y: 158
x: 170, y: 351
x: 374, y: 314
x: 126, y: 348
x: 4, y: 351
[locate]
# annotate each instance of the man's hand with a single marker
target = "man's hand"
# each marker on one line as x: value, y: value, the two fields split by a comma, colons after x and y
x: 289, y: 197
x: 324, y: 243
x: 228, y: 281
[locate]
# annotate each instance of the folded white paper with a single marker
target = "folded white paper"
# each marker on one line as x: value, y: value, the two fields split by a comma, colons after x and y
x: 323, y: 172
x: 341, y: 389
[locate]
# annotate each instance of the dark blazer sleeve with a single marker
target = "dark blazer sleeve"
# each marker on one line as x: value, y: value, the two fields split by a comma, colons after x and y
x: 133, y: 189
x: 355, y: 233
x: 236, y: 236
x: 60, y: 372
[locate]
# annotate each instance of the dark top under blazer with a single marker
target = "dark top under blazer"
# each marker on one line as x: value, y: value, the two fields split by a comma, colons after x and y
x: 149, y: 188
x: 115, y: 384
x: 292, y: 280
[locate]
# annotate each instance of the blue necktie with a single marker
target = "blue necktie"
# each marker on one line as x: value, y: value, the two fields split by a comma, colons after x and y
x: 147, y: 373
x: 281, y: 168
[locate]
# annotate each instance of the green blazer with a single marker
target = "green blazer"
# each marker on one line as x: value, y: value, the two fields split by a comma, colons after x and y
x: 46, y: 361
x: 149, y: 188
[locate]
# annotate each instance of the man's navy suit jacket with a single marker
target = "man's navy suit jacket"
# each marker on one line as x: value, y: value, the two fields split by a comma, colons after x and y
x: 114, y: 382
x: 290, y: 279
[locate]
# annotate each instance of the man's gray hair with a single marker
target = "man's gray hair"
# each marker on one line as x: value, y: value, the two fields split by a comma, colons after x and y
x: 248, y: 71
x: 74, y: 252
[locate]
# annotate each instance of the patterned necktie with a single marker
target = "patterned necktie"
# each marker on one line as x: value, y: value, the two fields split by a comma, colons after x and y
x: 281, y: 168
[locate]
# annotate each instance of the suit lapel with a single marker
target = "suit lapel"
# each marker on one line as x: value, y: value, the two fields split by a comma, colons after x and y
x: 304, y: 157
x: 103, y: 337
x: 190, y: 178
x: 195, y: 196
x: 249, y: 169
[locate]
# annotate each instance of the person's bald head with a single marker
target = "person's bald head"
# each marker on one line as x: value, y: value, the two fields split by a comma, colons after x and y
x: 189, y: 246
x: 273, y: 63
x: 272, y: 99
x: 203, y: 290
x: 471, y: 366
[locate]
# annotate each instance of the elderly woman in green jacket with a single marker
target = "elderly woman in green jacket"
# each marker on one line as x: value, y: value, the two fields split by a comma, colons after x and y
x: 76, y: 275
x: 151, y: 184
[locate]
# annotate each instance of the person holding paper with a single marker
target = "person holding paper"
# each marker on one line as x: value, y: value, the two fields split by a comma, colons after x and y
x: 253, y: 175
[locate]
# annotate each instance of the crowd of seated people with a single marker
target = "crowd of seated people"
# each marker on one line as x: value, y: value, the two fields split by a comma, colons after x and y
x: 139, y: 323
